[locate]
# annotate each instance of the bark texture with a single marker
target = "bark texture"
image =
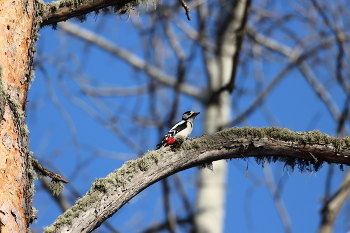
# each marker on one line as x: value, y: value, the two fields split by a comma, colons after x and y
x: 17, y: 36
x: 108, y: 195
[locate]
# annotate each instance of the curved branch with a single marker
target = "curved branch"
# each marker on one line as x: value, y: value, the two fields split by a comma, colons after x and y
x: 107, y: 195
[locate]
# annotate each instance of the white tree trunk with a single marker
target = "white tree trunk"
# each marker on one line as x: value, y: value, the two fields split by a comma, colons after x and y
x: 211, y: 188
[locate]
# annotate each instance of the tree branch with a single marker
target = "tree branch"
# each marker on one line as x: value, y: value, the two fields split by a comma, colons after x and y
x: 187, y: 9
x: 132, y: 59
x: 277, y: 199
x: 58, y: 11
x: 46, y: 172
x: 320, y: 90
x: 107, y: 195
x: 333, y: 206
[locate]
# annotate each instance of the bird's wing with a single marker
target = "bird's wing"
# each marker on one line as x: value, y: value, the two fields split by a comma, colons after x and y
x: 179, y: 126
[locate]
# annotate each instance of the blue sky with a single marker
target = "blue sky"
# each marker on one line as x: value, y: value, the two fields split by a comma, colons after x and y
x: 249, y: 205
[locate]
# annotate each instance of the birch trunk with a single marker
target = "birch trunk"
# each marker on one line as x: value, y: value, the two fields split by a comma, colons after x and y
x: 221, y: 71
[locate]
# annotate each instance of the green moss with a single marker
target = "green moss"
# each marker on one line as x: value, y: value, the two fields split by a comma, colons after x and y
x: 56, y: 187
x: 120, y: 8
x: 195, y: 144
x: 114, y: 180
x: 34, y: 210
x: 121, y: 176
x: 25, y: 129
x: 346, y: 140
x: 100, y: 185
x: 67, y: 217
x: 143, y: 164
x: 337, y: 143
x: 32, y: 175
x: 16, y: 108
x: 83, y: 203
x: 225, y: 132
x: 303, y: 138
x: 154, y: 155
x: 206, y: 165
x: 54, y: 6
x: 40, y: 6
x: 50, y: 229
x: 312, y: 137
x: 2, y: 94
x: 186, y: 146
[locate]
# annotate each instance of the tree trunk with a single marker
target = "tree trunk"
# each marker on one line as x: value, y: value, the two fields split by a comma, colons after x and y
x: 222, y: 71
x: 17, y: 36
x: 211, y: 188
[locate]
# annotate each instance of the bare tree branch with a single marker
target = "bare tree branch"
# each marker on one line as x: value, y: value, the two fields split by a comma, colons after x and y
x: 187, y: 9
x: 331, y: 209
x: 302, y: 65
x: 111, y: 91
x: 196, y: 36
x: 132, y: 59
x: 107, y: 195
x: 43, y: 170
x: 164, y: 225
x: 58, y: 11
x: 281, y: 208
x: 61, y: 201
x: 262, y: 96
x: 65, y: 116
x: 171, y: 219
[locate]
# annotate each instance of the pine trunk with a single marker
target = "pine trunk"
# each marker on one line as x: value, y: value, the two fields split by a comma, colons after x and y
x: 17, y: 37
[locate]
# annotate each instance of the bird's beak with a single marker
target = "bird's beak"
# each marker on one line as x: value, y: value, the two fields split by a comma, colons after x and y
x: 196, y: 113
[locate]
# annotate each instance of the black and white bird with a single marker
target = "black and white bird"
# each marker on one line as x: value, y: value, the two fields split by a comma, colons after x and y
x: 182, y: 128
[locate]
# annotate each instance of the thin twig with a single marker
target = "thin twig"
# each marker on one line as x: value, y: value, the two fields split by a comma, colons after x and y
x: 167, y: 207
x: 281, y: 208
x: 187, y: 9
x: 47, y: 172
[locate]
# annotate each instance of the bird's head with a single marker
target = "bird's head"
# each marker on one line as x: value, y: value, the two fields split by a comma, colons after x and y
x: 189, y: 114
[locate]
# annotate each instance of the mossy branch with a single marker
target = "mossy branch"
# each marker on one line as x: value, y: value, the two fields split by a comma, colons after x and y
x: 46, y: 172
x: 62, y: 10
x: 108, y: 195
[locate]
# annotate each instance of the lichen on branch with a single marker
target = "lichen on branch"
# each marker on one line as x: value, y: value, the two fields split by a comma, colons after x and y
x: 107, y: 195
x: 62, y: 10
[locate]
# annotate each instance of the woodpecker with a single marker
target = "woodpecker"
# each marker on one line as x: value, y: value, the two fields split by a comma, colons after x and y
x: 182, y: 128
